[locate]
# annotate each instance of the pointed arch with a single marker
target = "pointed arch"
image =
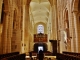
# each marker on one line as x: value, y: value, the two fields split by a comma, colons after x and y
x: 51, y: 2
x: 28, y: 2
x: 5, y: 2
x: 66, y: 25
x: 75, y: 5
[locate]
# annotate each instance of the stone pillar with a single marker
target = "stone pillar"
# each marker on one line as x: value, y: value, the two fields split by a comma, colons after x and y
x: 26, y: 34
x: 4, y: 32
x: 76, y: 30
x: 0, y: 24
x: 73, y: 35
x: 1, y: 1
x: 23, y: 29
x: 54, y: 20
x: 0, y: 44
x: 54, y: 24
x: 17, y: 32
x: 28, y: 41
x: 10, y: 28
x: 0, y: 38
x: 10, y: 25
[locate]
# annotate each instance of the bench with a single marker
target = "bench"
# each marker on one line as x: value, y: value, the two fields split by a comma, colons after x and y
x: 8, y: 54
x: 61, y: 56
x: 71, y: 53
x: 15, y: 57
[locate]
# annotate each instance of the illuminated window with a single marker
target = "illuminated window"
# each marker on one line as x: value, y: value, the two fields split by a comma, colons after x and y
x: 40, y: 29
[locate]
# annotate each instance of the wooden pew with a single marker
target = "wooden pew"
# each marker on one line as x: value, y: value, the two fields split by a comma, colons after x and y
x: 71, y: 53
x: 15, y: 57
x: 61, y: 56
x: 8, y: 54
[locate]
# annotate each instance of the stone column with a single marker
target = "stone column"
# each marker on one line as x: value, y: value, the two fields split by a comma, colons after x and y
x: 10, y: 28
x: 76, y: 30
x: 10, y: 25
x: 72, y: 34
x: 0, y: 38
x: 26, y: 38
x: 23, y: 29
x: 1, y: 1
x: 19, y: 29
x: 4, y: 32
x: 54, y: 31
x: 54, y: 20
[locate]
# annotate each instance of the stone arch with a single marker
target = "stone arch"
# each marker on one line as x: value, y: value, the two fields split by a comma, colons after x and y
x: 66, y: 30
x: 79, y: 6
x: 51, y: 2
x: 44, y: 45
x: 5, y: 10
x: 5, y: 2
x: 28, y: 2
x: 66, y: 24
x: 2, y: 13
x: 75, y: 5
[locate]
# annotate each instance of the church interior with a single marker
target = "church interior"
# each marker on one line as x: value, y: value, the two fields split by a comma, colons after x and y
x: 52, y: 26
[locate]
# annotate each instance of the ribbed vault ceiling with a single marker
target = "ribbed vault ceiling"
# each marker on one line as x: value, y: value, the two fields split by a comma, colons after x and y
x: 39, y: 10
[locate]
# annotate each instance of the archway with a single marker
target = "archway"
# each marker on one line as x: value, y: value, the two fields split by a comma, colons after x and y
x: 75, y: 5
x: 39, y: 15
x: 66, y: 31
x: 37, y: 45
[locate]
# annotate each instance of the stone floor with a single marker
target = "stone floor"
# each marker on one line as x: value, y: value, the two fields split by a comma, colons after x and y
x: 45, y: 58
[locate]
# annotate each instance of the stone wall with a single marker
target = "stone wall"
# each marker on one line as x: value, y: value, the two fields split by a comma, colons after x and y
x: 68, y: 22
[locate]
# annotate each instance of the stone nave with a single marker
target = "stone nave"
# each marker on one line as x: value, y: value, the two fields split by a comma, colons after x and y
x: 30, y: 25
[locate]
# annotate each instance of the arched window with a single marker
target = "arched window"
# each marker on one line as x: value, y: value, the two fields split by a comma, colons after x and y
x: 40, y: 29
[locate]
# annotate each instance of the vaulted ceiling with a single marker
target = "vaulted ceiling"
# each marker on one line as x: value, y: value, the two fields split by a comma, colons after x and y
x: 39, y: 10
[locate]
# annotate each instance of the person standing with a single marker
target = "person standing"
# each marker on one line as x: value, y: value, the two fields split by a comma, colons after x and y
x: 30, y: 54
x: 41, y: 55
